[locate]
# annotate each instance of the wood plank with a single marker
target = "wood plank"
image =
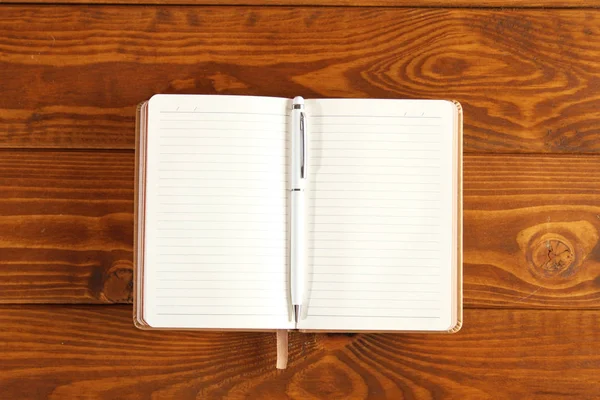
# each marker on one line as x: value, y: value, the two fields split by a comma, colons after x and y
x: 66, y: 226
x: 345, y: 3
x: 527, y: 78
x: 531, y: 229
x: 60, y: 352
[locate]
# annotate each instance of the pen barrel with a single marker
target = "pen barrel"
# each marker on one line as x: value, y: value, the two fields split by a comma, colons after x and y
x: 298, y: 240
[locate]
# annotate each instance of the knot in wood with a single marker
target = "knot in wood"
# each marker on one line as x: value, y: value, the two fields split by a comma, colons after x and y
x: 556, y: 251
x: 552, y: 257
x: 118, y: 283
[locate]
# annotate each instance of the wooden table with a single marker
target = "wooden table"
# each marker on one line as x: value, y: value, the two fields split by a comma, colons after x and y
x: 528, y: 79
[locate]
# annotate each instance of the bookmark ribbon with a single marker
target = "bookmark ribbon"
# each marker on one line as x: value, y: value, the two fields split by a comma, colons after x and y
x: 282, y: 348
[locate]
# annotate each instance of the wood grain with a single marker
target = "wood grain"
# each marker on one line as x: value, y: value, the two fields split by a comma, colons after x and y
x: 345, y: 3
x: 63, y: 352
x: 531, y: 228
x: 530, y: 237
x: 527, y: 79
x: 66, y: 223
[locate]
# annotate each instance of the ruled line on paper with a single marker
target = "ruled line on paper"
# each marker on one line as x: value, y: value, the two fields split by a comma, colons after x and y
x: 222, y: 136
x: 216, y: 297
x: 371, y: 286
x: 429, y: 250
x: 212, y: 287
x: 228, y: 146
x: 377, y: 196
x: 378, y: 241
x: 319, y: 135
x: 220, y: 187
x: 378, y: 191
x: 379, y: 291
x: 329, y: 140
x: 227, y: 315
x: 228, y: 129
x: 368, y: 274
x: 381, y: 182
x: 262, y: 195
x: 372, y: 257
x: 283, y: 122
x: 366, y: 158
x: 218, y: 233
x: 232, y: 246
x: 379, y: 208
x: 215, y: 305
x: 370, y: 316
x: 373, y: 232
x: 322, y: 173
x: 381, y: 215
x: 218, y: 289
x: 372, y: 265
x: 380, y: 308
x: 269, y: 179
x: 364, y: 298
x: 394, y: 125
x: 182, y: 153
x: 374, y: 224
x: 226, y: 254
x: 389, y: 282
x: 372, y: 116
x: 222, y: 112
x: 221, y: 213
x: 367, y: 198
x: 218, y: 162
x: 218, y: 263
x: 221, y: 204
x: 224, y: 229
x: 213, y: 280
x: 383, y: 149
x: 218, y: 271
x: 329, y: 165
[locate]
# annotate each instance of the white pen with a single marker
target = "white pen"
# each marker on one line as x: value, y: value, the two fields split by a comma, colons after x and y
x: 298, y: 180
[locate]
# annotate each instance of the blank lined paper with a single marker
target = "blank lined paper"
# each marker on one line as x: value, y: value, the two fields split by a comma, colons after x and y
x: 380, y: 215
x: 381, y: 206
x: 216, y: 213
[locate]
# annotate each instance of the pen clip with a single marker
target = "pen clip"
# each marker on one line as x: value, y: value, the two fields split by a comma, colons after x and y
x: 304, y: 144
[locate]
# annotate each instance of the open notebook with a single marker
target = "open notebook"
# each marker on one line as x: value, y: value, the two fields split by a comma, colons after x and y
x: 383, y: 220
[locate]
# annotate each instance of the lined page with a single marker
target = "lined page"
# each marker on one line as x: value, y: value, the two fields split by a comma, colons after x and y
x: 380, y: 215
x: 216, y: 213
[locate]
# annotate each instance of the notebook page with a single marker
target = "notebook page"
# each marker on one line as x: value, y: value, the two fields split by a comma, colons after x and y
x: 380, y: 215
x: 216, y: 252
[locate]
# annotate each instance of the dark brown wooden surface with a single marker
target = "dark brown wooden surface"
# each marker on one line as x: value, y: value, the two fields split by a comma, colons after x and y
x: 345, y: 3
x: 529, y: 82
x: 95, y: 352
x: 66, y: 226
x: 527, y: 79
